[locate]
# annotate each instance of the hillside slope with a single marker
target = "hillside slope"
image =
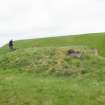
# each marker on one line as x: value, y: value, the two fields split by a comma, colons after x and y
x: 41, y: 72
x: 49, y: 55
x: 95, y: 40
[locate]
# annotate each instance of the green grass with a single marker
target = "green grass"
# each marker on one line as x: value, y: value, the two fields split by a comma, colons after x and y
x: 28, y: 89
x: 95, y: 40
x: 54, y: 61
x: 40, y: 72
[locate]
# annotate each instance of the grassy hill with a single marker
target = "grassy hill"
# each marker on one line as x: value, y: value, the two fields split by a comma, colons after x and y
x: 40, y: 71
x: 95, y: 40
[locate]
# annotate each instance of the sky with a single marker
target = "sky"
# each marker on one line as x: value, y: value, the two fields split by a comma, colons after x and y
x: 25, y: 19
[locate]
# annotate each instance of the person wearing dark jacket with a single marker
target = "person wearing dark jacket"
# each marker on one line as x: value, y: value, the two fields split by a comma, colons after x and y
x: 10, y: 44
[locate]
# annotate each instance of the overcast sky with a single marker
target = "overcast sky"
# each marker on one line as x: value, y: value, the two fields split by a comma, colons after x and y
x: 21, y: 19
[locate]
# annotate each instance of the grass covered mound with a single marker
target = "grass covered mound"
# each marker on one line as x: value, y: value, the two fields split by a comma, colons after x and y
x: 50, y: 60
x: 42, y: 72
x: 51, y: 76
